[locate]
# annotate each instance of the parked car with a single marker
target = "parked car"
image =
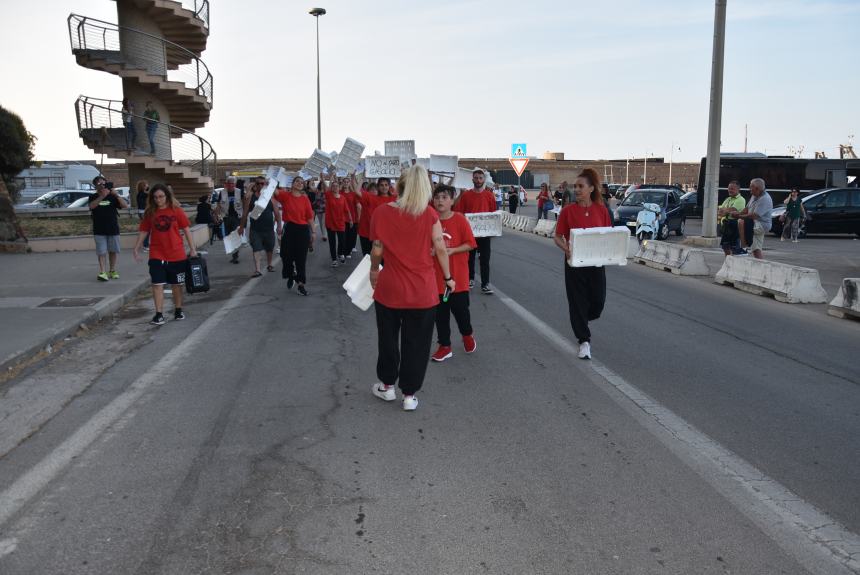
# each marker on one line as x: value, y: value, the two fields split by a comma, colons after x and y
x: 55, y: 199
x: 79, y: 203
x: 830, y: 211
x: 690, y: 203
x: 672, y: 218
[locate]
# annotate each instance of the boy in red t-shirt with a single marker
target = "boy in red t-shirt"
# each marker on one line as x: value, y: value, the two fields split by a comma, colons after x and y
x: 459, y: 241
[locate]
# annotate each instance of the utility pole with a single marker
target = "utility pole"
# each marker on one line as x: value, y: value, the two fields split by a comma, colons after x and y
x: 715, y: 117
x: 316, y: 13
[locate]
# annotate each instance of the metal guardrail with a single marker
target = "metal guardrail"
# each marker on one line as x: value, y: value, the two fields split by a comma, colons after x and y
x: 102, y: 120
x: 143, y: 50
x: 200, y: 9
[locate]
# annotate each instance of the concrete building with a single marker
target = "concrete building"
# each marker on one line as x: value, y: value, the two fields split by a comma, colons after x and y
x: 155, y: 49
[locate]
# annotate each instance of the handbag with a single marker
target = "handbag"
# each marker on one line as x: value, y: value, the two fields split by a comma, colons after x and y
x: 548, y: 206
x: 196, y: 275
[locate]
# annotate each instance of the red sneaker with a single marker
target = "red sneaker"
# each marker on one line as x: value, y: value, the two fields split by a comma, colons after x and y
x: 443, y: 353
x: 469, y: 343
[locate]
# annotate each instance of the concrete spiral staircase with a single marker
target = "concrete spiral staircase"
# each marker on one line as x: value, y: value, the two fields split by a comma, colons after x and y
x: 155, y: 49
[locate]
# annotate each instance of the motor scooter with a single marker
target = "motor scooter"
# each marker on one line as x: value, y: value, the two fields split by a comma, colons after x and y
x: 647, y: 222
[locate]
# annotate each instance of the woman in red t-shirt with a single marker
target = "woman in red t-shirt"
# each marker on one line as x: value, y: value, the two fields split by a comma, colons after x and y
x: 336, y: 217
x: 542, y: 198
x: 586, y: 286
x: 165, y: 222
x: 406, y: 231
x: 348, y: 191
x: 298, y: 234
x: 367, y: 202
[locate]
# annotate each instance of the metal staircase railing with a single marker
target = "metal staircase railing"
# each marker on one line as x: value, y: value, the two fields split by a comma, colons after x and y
x: 100, y: 120
x: 145, y: 51
x: 200, y: 9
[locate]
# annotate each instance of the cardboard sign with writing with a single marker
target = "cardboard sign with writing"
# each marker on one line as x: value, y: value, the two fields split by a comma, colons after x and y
x: 403, y: 149
x: 382, y: 166
x: 350, y: 154
x: 485, y: 224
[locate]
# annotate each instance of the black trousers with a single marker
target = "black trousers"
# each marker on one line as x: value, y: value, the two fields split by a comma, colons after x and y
x: 294, y: 251
x: 366, y: 245
x: 405, y: 336
x: 457, y: 304
x: 336, y: 243
x: 484, y: 249
x: 351, y: 236
x: 586, y: 295
x: 512, y: 205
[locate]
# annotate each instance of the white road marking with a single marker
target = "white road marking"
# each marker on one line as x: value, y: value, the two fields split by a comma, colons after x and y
x: 34, y: 480
x: 7, y: 546
x: 813, y: 538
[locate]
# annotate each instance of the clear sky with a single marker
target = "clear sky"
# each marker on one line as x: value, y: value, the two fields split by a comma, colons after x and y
x: 469, y: 77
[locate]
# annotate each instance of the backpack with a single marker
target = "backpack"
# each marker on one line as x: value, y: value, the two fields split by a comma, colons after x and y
x: 196, y: 275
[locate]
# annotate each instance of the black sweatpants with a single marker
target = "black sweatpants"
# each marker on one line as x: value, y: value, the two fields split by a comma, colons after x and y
x: 336, y: 243
x: 484, y: 249
x: 351, y: 236
x: 294, y: 251
x: 366, y: 245
x: 457, y: 304
x: 586, y: 294
x: 405, y: 336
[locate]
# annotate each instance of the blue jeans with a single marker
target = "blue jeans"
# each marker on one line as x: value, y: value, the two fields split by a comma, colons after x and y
x: 130, y: 135
x: 150, y: 134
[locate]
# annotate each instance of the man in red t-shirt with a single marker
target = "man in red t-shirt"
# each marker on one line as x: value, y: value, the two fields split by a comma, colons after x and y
x: 459, y: 242
x: 477, y: 200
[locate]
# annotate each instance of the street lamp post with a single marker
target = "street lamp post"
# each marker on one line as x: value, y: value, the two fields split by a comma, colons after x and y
x: 715, y: 117
x: 316, y: 13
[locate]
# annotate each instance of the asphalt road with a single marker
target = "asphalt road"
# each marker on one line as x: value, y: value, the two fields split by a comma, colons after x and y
x: 245, y: 439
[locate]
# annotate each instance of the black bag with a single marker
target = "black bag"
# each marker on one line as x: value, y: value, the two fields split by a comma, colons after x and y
x: 196, y: 275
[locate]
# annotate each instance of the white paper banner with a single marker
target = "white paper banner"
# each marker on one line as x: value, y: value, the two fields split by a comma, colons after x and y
x: 443, y: 164
x: 403, y: 149
x: 485, y: 224
x: 349, y: 155
x: 317, y: 163
x: 382, y: 166
x: 265, y: 197
x: 463, y: 179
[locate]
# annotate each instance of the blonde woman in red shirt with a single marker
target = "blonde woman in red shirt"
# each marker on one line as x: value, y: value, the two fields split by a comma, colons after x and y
x: 298, y: 234
x: 585, y: 286
x: 406, y: 232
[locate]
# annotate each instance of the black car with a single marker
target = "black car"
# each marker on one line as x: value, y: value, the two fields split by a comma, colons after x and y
x: 672, y: 218
x: 690, y: 203
x: 830, y: 211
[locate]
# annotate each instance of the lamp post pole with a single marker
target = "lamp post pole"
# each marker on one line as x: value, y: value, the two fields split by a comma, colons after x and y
x: 316, y: 13
x: 712, y: 163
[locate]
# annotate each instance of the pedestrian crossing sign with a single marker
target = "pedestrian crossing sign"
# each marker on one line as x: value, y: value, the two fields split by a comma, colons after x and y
x: 518, y: 151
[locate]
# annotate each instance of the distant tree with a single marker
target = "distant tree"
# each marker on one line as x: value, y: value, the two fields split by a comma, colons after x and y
x: 16, y: 147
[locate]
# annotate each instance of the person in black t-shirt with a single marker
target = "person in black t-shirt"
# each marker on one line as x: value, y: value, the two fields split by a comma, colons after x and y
x: 103, y: 205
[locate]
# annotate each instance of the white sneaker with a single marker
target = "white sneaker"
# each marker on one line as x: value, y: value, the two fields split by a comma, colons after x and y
x: 386, y: 394
x: 410, y: 403
x: 585, y: 350
x: 354, y: 250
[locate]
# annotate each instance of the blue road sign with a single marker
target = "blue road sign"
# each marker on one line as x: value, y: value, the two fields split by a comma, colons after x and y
x: 518, y: 151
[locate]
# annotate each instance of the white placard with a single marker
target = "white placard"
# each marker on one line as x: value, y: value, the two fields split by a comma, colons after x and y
x: 349, y: 156
x: 233, y: 242
x: 443, y: 164
x: 285, y: 180
x: 265, y: 197
x: 598, y: 247
x: 403, y: 149
x: 382, y: 166
x: 485, y: 224
x: 463, y: 179
x: 317, y: 163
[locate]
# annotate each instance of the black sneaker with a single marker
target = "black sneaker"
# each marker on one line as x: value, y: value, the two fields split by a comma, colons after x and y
x: 157, y: 319
x: 486, y: 289
x: 290, y: 283
x: 302, y: 290
x: 178, y: 314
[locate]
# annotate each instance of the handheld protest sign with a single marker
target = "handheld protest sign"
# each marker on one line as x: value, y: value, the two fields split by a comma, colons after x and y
x: 382, y: 167
x: 596, y: 247
x: 485, y: 224
x: 349, y: 156
x: 317, y: 163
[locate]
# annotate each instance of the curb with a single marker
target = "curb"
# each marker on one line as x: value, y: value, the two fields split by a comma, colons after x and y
x: 94, y: 315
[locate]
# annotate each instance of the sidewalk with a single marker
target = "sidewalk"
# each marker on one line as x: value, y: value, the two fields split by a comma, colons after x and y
x: 45, y: 297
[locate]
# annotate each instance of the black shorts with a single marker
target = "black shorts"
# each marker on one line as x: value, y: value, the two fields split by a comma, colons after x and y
x: 730, y: 233
x: 162, y: 272
x: 262, y: 241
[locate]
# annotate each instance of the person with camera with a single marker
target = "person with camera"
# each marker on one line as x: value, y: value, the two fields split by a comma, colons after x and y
x: 104, y: 204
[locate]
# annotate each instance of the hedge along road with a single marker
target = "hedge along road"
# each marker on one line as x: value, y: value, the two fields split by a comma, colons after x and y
x: 266, y: 452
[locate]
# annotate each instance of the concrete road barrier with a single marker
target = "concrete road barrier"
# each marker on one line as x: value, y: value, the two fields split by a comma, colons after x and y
x: 632, y: 247
x: 529, y: 225
x: 786, y: 283
x: 675, y: 258
x: 847, y: 300
x: 544, y: 227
